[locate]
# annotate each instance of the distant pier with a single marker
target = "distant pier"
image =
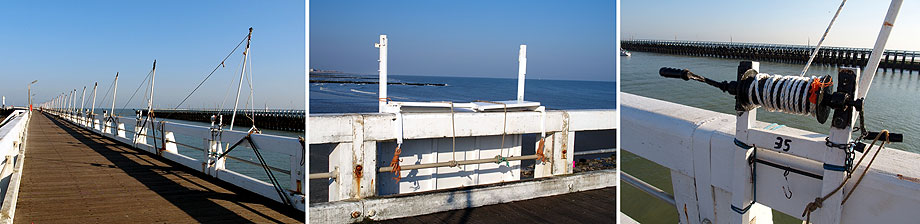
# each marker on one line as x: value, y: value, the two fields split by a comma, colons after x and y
x: 892, y: 59
x: 282, y: 120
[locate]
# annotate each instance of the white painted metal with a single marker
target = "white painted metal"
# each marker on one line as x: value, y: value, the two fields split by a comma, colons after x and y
x: 382, y: 70
x: 675, y: 136
x: 82, y: 100
x: 285, y: 146
x: 153, y: 78
x: 876, y: 57
x: 13, y: 136
x: 92, y: 109
x: 522, y: 71
x: 114, y: 94
x: 242, y: 72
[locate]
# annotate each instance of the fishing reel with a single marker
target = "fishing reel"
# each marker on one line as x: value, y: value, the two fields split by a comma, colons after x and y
x: 809, y: 96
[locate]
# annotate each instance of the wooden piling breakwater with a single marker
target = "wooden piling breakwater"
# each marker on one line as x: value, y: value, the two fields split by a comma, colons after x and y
x: 839, y: 56
x: 283, y: 120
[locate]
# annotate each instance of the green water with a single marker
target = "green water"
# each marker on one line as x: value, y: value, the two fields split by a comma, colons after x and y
x: 891, y: 104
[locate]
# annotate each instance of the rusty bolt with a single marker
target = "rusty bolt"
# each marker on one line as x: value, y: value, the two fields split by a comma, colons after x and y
x: 358, y: 170
x: 355, y: 214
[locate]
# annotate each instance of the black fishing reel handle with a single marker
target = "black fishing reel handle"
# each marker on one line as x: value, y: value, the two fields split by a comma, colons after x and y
x: 675, y: 73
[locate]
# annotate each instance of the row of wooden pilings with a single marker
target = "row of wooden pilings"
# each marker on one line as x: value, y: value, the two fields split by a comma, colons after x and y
x: 892, y: 59
x: 282, y: 120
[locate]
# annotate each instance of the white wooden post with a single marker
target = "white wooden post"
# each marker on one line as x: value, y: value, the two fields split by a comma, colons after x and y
x: 169, y: 141
x: 830, y: 211
x: 120, y: 131
x: 741, y: 181
x: 347, y: 157
x: 544, y: 169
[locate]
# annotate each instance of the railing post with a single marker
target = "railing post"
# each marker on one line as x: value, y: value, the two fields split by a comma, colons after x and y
x: 140, y: 132
x: 741, y: 179
x: 357, y: 165
x: 169, y: 142
x: 215, y: 148
x: 121, y: 131
x: 298, y: 162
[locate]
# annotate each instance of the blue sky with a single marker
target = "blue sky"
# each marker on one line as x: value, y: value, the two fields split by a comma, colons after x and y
x: 781, y: 21
x: 71, y: 44
x: 568, y: 40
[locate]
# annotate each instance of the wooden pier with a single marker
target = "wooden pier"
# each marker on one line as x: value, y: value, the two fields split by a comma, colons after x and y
x: 72, y: 175
x: 282, y: 120
x: 838, y: 56
x: 593, y: 206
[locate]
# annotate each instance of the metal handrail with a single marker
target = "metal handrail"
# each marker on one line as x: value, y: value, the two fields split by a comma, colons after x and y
x: 647, y: 188
x: 333, y: 174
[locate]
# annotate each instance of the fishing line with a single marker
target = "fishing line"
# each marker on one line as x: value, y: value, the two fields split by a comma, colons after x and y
x: 789, y: 94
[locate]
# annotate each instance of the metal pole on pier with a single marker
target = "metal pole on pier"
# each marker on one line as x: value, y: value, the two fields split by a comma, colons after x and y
x: 92, y: 110
x: 152, y: 78
x: 115, y: 93
x: 382, y: 70
x: 83, y: 100
x: 242, y: 72
x: 522, y: 71
x: 876, y: 56
x: 73, y: 102
x: 30, y: 95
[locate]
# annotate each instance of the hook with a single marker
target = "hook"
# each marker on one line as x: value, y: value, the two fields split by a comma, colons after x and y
x: 787, y: 188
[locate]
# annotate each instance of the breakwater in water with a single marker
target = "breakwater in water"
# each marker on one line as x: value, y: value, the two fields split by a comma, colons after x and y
x: 282, y: 120
x: 796, y: 54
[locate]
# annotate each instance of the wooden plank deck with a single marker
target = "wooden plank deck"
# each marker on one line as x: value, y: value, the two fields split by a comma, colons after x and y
x: 72, y: 175
x: 594, y: 206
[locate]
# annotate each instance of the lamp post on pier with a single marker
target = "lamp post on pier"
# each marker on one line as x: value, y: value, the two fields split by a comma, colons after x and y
x: 30, y: 94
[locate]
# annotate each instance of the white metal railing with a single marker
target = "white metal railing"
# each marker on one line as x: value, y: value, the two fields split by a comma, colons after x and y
x: 13, y: 135
x: 212, y: 142
x: 698, y: 147
x: 441, y: 152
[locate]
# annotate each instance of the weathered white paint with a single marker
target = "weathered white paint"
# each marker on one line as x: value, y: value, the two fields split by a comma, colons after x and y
x: 328, y: 128
x: 675, y: 136
x: 368, y: 140
x: 386, y: 207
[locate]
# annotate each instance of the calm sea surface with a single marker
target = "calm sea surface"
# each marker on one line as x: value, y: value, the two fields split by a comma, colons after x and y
x: 554, y: 94
x: 891, y: 104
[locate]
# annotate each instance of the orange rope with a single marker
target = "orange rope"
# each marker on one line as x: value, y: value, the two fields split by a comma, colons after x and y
x: 395, y: 164
x: 384, y: 99
x: 816, y: 85
x: 540, y: 155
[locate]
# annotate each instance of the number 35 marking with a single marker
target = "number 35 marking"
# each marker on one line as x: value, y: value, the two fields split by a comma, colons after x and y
x: 780, y: 142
